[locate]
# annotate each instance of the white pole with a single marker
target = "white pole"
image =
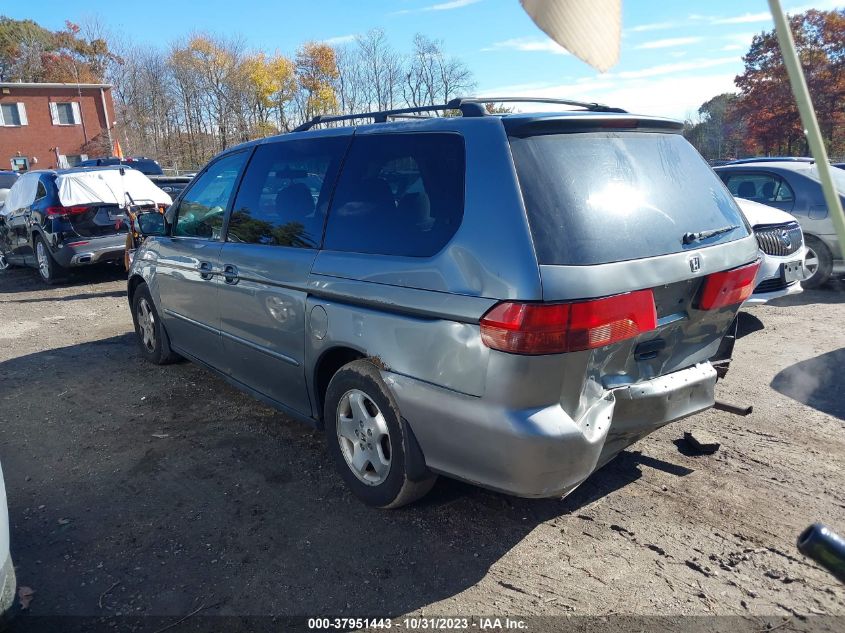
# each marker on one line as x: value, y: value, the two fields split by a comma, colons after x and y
x: 808, y: 118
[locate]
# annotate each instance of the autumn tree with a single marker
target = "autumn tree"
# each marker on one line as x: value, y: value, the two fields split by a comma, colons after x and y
x: 766, y: 103
x: 718, y: 132
x: 316, y: 74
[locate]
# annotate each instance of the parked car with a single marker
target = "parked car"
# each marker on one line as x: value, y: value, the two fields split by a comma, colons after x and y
x: 794, y: 187
x: 8, y: 579
x: 172, y: 185
x: 59, y: 219
x: 781, y: 248
x: 147, y: 166
x: 7, y: 179
x: 771, y: 159
x: 508, y: 300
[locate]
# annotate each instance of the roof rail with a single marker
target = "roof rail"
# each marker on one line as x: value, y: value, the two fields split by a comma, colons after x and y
x: 468, y: 106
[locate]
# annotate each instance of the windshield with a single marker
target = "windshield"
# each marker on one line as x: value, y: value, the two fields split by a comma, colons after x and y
x: 601, y: 197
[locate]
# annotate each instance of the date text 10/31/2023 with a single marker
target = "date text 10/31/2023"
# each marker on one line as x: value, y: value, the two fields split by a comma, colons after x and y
x: 419, y: 623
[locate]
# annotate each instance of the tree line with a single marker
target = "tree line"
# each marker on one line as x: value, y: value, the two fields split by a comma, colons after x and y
x: 206, y: 92
x: 762, y: 118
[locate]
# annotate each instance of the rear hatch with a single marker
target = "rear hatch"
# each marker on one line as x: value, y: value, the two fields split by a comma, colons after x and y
x: 618, y: 205
x: 97, y: 220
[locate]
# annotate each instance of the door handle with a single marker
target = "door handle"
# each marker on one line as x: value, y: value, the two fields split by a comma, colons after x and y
x: 230, y: 274
x: 206, y: 271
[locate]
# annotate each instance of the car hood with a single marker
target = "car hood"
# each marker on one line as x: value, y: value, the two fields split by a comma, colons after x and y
x: 758, y: 214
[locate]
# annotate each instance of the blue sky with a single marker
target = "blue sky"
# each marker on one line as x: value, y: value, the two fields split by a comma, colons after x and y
x: 675, y: 55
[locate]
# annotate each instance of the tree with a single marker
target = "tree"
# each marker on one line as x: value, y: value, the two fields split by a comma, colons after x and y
x: 719, y: 131
x: 766, y: 103
x: 316, y: 74
x: 431, y: 77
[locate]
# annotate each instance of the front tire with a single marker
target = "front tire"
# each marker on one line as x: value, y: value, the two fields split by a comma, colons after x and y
x: 152, y: 337
x: 818, y: 263
x: 369, y: 440
x: 49, y: 271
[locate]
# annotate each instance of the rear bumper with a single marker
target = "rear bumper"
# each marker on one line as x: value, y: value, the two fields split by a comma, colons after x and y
x: 542, y: 452
x: 92, y: 250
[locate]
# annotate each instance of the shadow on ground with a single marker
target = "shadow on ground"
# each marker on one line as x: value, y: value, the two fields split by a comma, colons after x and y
x: 25, y: 279
x: 832, y: 292
x: 137, y: 489
x: 817, y: 382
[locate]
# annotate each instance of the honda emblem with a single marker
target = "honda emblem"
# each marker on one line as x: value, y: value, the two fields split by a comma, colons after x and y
x: 695, y: 263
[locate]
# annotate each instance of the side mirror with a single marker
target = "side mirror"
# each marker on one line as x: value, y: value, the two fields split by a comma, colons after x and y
x: 151, y: 224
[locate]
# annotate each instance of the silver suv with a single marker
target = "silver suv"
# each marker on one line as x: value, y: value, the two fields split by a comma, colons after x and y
x: 507, y: 300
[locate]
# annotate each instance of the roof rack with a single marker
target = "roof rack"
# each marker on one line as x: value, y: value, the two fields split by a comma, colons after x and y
x: 468, y: 107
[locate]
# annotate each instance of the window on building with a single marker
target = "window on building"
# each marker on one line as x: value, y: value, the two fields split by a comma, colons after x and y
x: 65, y: 113
x: 12, y: 114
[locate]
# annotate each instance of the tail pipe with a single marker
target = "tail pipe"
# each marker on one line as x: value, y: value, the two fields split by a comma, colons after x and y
x: 825, y: 547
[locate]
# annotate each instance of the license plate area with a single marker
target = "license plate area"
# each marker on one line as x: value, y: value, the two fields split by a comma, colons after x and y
x: 793, y: 271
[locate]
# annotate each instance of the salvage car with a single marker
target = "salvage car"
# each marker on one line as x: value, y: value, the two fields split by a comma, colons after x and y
x: 509, y: 300
x: 782, y: 251
x: 793, y: 186
x: 55, y: 220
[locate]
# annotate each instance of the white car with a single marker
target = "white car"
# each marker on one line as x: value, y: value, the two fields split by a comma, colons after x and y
x: 782, y: 250
x: 8, y: 582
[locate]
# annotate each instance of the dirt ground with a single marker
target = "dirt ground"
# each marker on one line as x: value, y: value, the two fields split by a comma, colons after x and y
x: 142, y: 490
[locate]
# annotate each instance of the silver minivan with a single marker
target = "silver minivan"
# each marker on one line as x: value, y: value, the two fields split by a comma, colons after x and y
x: 509, y: 300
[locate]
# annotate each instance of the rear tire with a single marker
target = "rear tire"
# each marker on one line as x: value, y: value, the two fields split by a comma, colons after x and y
x: 369, y: 440
x: 152, y: 337
x: 49, y: 271
x: 819, y: 263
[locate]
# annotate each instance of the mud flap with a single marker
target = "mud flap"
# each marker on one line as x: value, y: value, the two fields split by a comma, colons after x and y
x: 415, y: 460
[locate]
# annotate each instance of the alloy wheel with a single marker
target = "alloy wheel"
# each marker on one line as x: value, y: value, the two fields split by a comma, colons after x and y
x: 811, y: 262
x: 43, y: 262
x: 146, y: 325
x: 364, y: 437
x: 4, y: 263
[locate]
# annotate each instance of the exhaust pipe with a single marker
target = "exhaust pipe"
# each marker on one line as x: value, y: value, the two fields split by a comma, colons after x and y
x: 82, y: 258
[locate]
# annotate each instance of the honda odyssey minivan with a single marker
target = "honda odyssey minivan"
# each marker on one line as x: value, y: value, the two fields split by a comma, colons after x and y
x: 509, y: 300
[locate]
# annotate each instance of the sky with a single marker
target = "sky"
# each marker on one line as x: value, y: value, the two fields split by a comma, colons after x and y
x: 674, y: 56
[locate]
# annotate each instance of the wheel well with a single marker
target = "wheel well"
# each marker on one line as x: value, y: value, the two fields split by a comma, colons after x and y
x: 327, y: 366
x: 134, y: 282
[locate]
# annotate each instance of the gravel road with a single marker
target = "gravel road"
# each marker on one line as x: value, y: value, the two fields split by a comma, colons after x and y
x: 142, y: 490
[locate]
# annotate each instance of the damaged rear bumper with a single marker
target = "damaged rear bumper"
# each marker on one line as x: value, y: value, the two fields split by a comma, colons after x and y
x: 542, y: 452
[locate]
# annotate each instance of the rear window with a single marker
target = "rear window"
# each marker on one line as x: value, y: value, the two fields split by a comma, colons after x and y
x: 594, y: 198
x: 398, y: 194
x: 7, y: 180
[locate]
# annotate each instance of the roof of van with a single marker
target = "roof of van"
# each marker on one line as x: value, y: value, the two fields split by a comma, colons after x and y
x: 533, y: 121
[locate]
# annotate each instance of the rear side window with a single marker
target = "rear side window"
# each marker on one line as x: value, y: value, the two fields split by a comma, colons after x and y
x: 398, y: 194
x: 284, y: 193
x: 760, y: 187
x: 600, y: 197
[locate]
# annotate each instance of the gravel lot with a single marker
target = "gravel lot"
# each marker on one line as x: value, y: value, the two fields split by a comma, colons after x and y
x: 140, y: 490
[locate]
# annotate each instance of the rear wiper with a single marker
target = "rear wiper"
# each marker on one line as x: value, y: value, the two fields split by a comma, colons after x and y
x: 689, y: 238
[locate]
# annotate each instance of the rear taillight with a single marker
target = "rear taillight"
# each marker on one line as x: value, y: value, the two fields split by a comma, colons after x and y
x: 543, y: 328
x: 728, y: 288
x: 61, y: 212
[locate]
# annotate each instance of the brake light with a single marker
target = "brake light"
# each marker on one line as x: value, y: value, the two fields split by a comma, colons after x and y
x: 62, y: 212
x: 543, y: 328
x: 729, y: 287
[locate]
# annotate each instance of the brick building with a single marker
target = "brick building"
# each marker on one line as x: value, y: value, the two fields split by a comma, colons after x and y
x: 45, y: 126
